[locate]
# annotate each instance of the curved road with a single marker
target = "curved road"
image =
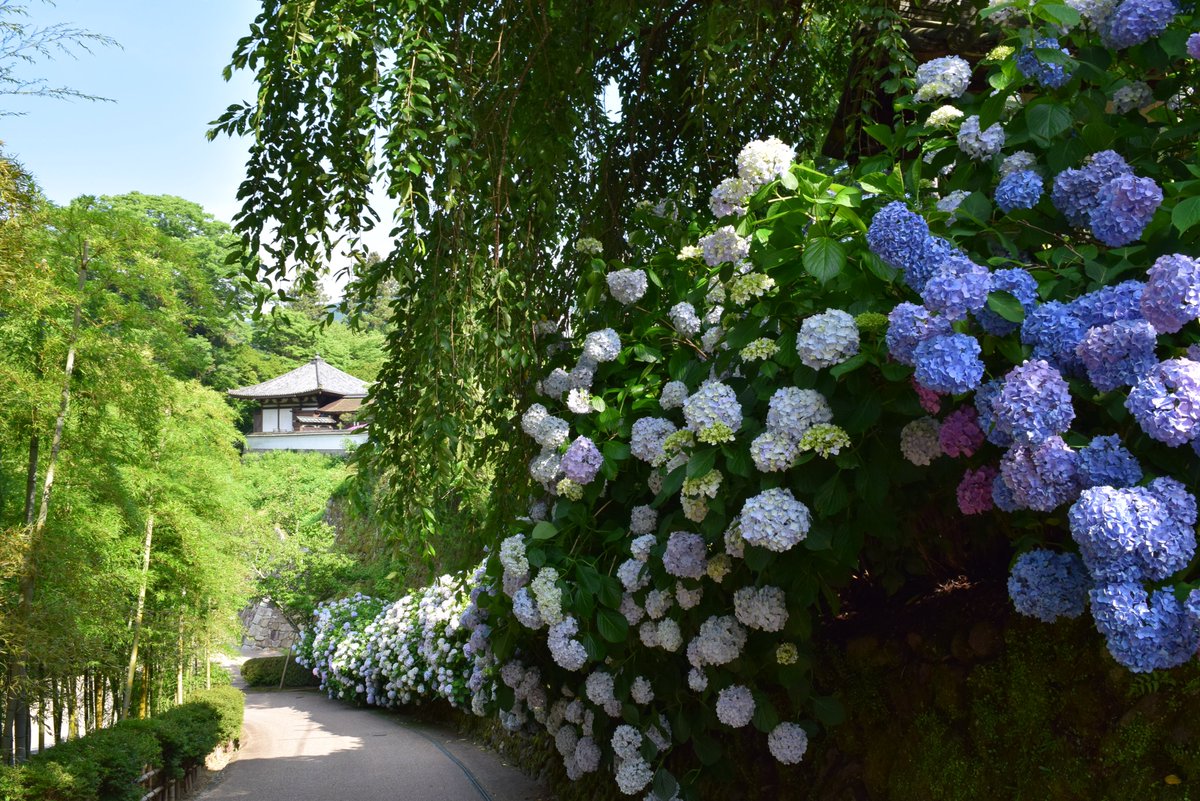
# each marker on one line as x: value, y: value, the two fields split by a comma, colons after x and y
x: 301, y: 746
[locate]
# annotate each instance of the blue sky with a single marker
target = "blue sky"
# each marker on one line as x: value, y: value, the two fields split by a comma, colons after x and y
x: 166, y: 81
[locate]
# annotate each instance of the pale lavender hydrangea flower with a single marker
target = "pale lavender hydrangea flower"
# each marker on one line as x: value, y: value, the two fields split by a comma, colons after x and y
x: 626, y: 286
x: 582, y: 461
x: 919, y: 441
x: 827, y: 339
x: 685, y: 555
x: 774, y: 520
x: 735, y: 706
x: 724, y: 245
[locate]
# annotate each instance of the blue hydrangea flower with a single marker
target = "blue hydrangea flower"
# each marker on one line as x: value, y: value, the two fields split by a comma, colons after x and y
x: 1137, y: 21
x: 958, y: 286
x: 1054, y: 333
x: 1166, y: 402
x: 1033, y: 403
x: 1134, y: 533
x: 908, y: 326
x: 1118, y: 354
x: 1019, y: 190
x: 1003, y: 496
x: 1172, y: 294
x: 925, y: 261
x: 1181, y: 504
x: 1048, y: 585
x: 1042, y: 477
x: 1020, y: 284
x: 1144, y: 633
x: 1074, y: 191
x: 1105, y: 462
x: 1108, y: 304
x: 1124, y: 207
x: 980, y: 144
x: 945, y: 77
x: 949, y: 363
x: 984, y: 397
x: 1193, y: 46
x: 897, y: 234
x: 1046, y: 73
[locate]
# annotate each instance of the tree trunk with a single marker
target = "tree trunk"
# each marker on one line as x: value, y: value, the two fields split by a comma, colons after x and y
x: 137, y: 617
x: 147, y: 678
x: 29, y: 574
x: 179, y: 669
x: 6, y: 728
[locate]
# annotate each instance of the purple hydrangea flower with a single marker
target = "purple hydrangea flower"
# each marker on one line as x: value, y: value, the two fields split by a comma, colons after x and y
x: 1075, y: 191
x: 1019, y: 190
x: 960, y: 434
x: 1048, y: 585
x: 1172, y: 294
x: 1042, y: 477
x: 930, y: 401
x: 1108, y: 304
x: 975, y: 490
x: 1166, y: 402
x: 1134, y: 533
x: 1020, y: 284
x: 1137, y: 21
x: 958, y: 286
x: 1033, y: 403
x: 1046, y: 73
x: 984, y: 397
x: 908, y: 326
x: 1054, y: 332
x: 1124, y: 207
x: 1104, y: 462
x: 1118, y: 354
x: 980, y: 144
x: 582, y: 461
x: 1144, y: 633
x: 949, y: 363
x: 1193, y: 46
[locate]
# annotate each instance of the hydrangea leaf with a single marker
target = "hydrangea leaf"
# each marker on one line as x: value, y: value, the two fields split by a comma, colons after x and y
x: 1046, y: 120
x: 665, y: 787
x: 612, y: 625
x: 824, y: 258
x: 544, y: 530
x: 1006, y: 305
x: 1186, y: 214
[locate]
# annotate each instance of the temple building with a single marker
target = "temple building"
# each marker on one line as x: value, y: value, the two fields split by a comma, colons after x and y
x: 311, y: 408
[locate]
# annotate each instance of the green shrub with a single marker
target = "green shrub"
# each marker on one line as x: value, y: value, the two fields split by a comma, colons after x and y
x: 264, y: 671
x: 229, y: 702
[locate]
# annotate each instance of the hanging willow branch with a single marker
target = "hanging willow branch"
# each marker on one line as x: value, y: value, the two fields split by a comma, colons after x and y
x: 487, y: 125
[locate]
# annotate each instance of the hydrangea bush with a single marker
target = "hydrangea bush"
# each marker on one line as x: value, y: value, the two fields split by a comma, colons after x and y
x: 996, y: 312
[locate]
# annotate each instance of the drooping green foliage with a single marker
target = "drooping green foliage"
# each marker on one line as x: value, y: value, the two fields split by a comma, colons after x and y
x: 499, y: 134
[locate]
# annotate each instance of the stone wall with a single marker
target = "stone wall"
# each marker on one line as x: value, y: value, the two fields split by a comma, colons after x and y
x: 264, y: 626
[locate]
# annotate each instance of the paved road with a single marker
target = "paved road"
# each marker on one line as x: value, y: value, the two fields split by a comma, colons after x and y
x: 300, y: 746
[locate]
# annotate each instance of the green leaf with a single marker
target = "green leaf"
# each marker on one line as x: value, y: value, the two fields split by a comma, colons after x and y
x: 701, y: 462
x: 787, y: 181
x: 828, y: 710
x: 665, y: 787
x: 1058, y: 12
x: 544, y: 531
x: 1186, y: 214
x: 1006, y: 305
x: 1046, y: 120
x: 848, y: 366
x: 765, y: 717
x: 612, y: 625
x: 824, y: 258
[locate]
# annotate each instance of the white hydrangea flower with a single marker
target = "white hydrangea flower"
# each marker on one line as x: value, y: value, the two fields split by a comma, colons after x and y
x: 629, y: 608
x: 555, y: 384
x: 749, y: 286
x: 648, y: 632
x: 642, y: 693
x: 588, y: 246
x: 764, y: 160
x: 943, y: 116
x: 525, y: 609
x: 774, y: 451
x: 599, y: 687
x: 647, y: 437
x: 587, y: 755
x: 626, y: 286
x: 697, y: 681
x: 729, y: 197
x: 793, y: 411
x: 643, y: 520
x: 719, y: 642
x: 544, y: 467
x: 633, y: 775
x: 735, y: 706
x: 827, y: 339
x: 532, y: 420
x: 760, y: 349
x: 579, y: 401
x: 626, y: 741
x: 774, y: 520
x: 946, y: 77
x: 686, y: 597
x: 683, y: 317
x: 920, y: 442
x: 633, y: 575
x: 658, y: 603
x: 978, y: 144
x: 673, y: 394
x: 712, y: 338
x: 547, y: 594
x: 950, y: 203
x: 711, y: 404
x: 640, y: 547
x: 723, y: 245
x: 668, y: 635
x: 688, y: 252
x: 1018, y: 162
x: 1132, y: 97
x: 787, y: 742
x: 762, y: 608
x: 567, y: 652
x: 602, y: 346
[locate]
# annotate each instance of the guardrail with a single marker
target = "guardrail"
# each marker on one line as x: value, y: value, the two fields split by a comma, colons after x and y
x: 160, y: 787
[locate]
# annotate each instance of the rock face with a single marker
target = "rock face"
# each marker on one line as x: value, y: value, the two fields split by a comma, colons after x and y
x: 266, y: 627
